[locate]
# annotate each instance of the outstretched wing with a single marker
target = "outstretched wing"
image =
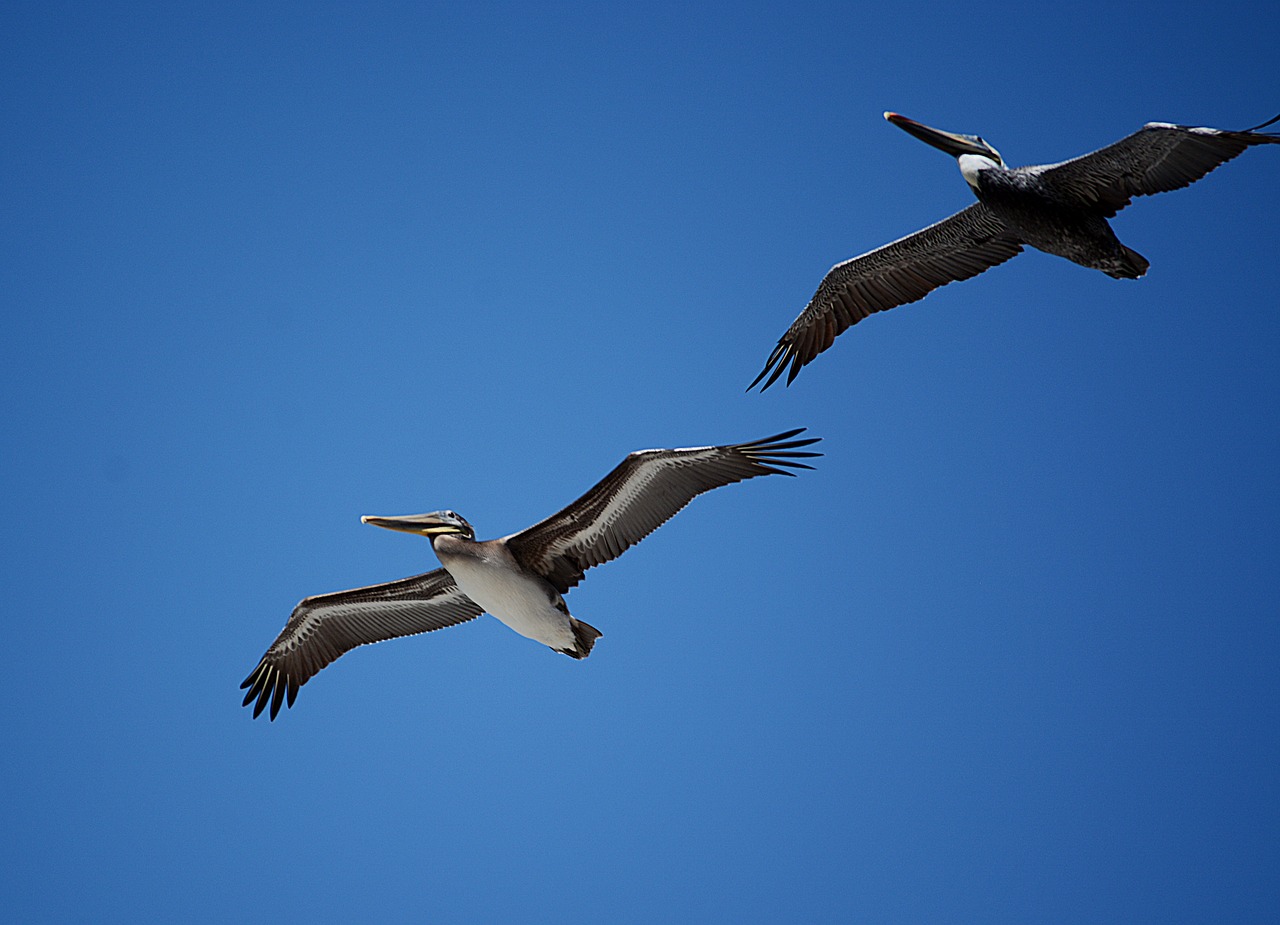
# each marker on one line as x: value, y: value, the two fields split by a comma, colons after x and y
x: 646, y: 490
x: 955, y: 248
x: 1157, y: 158
x: 328, y: 625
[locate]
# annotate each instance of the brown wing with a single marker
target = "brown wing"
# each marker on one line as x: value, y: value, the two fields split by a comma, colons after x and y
x: 1157, y: 158
x: 908, y: 269
x: 646, y: 490
x: 328, y: 625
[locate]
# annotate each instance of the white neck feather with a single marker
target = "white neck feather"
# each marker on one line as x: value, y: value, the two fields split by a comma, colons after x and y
x: 971, y: 164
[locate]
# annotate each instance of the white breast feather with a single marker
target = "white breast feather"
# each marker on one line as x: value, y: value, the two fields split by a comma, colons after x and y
x: 517, y: 600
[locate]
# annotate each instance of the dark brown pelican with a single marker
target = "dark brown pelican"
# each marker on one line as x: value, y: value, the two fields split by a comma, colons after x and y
x: 519, y: 578
x: 1058, y: 208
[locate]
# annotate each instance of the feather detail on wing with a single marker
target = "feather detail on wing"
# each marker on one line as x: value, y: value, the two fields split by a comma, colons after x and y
x: 328, y: 625
x: 647, y: 489
x: 956, y: 248
x: 1157, y: 158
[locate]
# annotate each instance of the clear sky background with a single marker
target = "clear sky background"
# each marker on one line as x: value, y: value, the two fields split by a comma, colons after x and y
x: 1009, y: 654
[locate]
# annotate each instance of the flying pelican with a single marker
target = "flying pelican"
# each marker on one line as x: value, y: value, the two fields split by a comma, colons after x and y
x: 519, y: 578
x: 1058, y: 208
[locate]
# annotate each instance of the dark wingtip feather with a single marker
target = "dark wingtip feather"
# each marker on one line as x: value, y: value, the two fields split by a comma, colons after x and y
x: 793, y: 444
x: 785, y: 435
x: 278, y: 697
x: 782, y: 441
x: 797, y: 364
x: 267, y: 684
x: 782, y: 366
x: 1271, y: 121
x: 776, y: 364
x: 262, y: 700
x: 780, y: 450
x: 783, y: 459
x: 253, y: 683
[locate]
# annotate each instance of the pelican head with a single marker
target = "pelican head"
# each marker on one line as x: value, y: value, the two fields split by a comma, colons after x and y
x: 437, y: 523
x: 953, y: 143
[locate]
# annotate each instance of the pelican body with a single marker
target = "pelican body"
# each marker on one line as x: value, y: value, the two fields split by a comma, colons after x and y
x: 489, y: 574
x: 1054, y: 217
x: 521, y: 579
x: 1060, y: 208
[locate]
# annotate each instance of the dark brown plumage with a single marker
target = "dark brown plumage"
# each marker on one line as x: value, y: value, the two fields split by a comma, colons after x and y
x: 1058, y: 208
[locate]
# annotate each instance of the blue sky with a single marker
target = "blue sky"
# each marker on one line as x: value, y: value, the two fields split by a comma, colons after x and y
x: 1008, y: 654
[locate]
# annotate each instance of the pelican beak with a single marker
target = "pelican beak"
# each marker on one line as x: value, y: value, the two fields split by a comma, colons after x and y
x: 953, y: 143
x: 432, y: 524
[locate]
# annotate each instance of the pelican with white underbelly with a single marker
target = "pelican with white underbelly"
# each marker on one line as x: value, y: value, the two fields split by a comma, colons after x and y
x: 521, y: 578
x: 1058, y: 208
